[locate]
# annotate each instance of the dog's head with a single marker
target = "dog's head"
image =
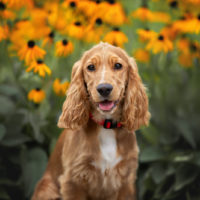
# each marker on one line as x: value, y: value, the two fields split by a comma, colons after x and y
x: 105, y: 81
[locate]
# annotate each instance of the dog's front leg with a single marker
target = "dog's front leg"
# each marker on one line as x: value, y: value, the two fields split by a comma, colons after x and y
x: 70, y: 190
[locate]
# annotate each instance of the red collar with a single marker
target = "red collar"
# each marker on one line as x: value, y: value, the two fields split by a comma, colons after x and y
x: 107, y: 123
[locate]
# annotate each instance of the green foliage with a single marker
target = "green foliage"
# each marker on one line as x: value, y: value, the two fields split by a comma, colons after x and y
x: 169, y: 147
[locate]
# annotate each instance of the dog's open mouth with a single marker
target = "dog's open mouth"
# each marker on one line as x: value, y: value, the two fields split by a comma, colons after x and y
x: 107, y: 105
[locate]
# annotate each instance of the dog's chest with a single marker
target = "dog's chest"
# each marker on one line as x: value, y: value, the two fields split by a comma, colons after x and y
x: 108, y: 150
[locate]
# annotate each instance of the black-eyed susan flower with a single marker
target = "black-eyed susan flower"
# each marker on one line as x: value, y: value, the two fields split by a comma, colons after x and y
x: 48, y: 40
x: 64, y: 48
x: 160, y: 17
x: 4, y: 31
x: 5, y: 13
x: 75, y: 30
x: 185, y: 59
x: 143, y: 13
x: 39, y: 67
x: 169, y: 31
x: 183, y: 45
x: 94, y: 30
x: 112, y: 12
x: 141, y: 55
x: 60, y: 88
x: 36, y: 95
x: 16, y: 4
x: 160, y: 43
x: 146, y: 34
x: 30, y: 52
x: 116, y: 37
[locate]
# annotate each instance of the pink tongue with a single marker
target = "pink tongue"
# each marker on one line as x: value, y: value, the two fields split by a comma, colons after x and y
x: 108, y: 105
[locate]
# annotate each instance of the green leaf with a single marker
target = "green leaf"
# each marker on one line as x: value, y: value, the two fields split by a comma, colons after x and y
x: 2, y: 131
x: 4, y: 195
x: 186, y: 132
x: 185, y: 174
x: 150, y: 154
x: 33, y: 165
x: 7, y: 106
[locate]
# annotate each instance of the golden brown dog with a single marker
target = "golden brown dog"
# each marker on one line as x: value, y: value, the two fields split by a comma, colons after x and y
x: 96, y: 156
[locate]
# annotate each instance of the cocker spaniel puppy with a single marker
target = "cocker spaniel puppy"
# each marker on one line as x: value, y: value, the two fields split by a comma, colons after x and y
x: 96, y: 156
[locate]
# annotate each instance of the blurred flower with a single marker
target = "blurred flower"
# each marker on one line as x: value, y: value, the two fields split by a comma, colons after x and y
x: 116, y: 37
x: 5, y: 12
x: 112, y: 12
x: 75, y: 30
x: 60, y: 88
x: 142, y: 55
x: 30, y: 52
x: 160, y: 17
x: 64, y: 48
x: 146, y: 34
x: 183, y: 45
x: 185, y: 59
x: 48, y: 39
x: 39, y: 67
x: 169, y: 31
x: 36, y: 95
x: 16, y: 4
x: 188, y: 24
x: 4, y: 31
x: 89, y: 8
x: 160, y: 43
x: 94, y: 30
x: 143, y: 14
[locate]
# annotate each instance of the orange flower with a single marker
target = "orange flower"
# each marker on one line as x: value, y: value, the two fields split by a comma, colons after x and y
x: 143, y: 14
x: 75, y: 30
x: 4, y: 31
x: 5, y: 13
x: 146, y: 34
x: 60, y: 88
x: 64, y: 48
x: 116, y: 37
x: 39, y: 67
x: 112, y: 12
x: 48, y: 39
x: 142, y: 55
x: 185, y: 59
x: 30, y: 52
x: 36, y: 95
x: 160, y: 43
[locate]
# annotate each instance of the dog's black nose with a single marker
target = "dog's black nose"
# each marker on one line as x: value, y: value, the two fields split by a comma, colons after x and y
x: 104, y: 89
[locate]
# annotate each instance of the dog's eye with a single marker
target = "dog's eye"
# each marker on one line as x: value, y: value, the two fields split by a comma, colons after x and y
x: 117, y: 66
x: 91, y: 67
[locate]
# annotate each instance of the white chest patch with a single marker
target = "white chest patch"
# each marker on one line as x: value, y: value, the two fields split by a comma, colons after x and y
x: 108, y: 147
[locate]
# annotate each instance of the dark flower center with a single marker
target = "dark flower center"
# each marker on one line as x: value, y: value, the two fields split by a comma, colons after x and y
x: 77, y: 23
x: 173, y: 4
x: 37, y: 89
x: 2, y: 6
x: 116, y: 29
x: 193, y: 47
x: 98, y: 1
x: 51, y: 35
x: 31, y: 43
x: 98, y: 21
x: 40, y: 61
x: 147, y: 29
x: 111, y: 1
x: 72, y: 4
x: 65, y: 42
x: 161, y: 37
x: 182, y: 18
x: 198, y: 17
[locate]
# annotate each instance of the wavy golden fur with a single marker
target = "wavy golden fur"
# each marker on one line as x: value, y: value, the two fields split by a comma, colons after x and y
x: 78, y: 168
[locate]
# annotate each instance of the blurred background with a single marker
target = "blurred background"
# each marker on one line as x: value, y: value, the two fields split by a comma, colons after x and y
x: 40, y: 41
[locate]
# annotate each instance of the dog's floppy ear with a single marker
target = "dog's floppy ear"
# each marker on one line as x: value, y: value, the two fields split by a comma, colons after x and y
x: 75, y: 111
x: 135, y: 109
